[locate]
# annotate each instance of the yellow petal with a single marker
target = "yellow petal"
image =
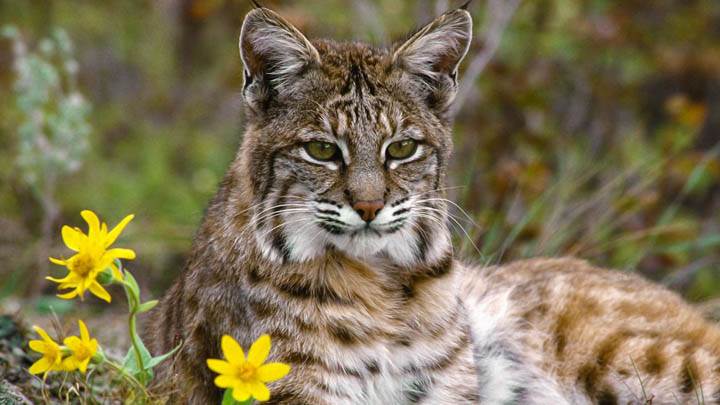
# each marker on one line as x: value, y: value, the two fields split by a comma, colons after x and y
x: 70, y: 364
x: 105, y: 262
x: 83, y: 365
x: 116, y: 272
x: 93, y: 223
x: 232, y: 350
x: 73, y: 342
x: 220, y: 366
x: 40, y: 366
x: 224, y: 381
x: 113, y: 235
x: 93, y: 346
x: 84, y: 334
x: 58, y: 261
x: 70, y: 295
x: 272, y: 371
x: 119, y: 253
x: 240, y: 393
x: 258, y: 390
x: 259, y: 351
x: 40, y: 331
x: 72, y: 238
x: 60, y: 280
x: 100, y: 292
x: 37, y: 346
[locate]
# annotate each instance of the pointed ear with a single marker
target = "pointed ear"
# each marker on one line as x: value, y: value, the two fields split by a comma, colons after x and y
x: 431, y: 57
x: 273, y: 52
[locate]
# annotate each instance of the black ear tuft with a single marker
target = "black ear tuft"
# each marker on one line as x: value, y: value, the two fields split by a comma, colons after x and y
x: 429, y: 59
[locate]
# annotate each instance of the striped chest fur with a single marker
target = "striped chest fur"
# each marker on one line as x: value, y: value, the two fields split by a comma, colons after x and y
x: 358, y: 336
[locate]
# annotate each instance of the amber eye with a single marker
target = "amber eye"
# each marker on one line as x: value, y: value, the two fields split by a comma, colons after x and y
x: 323, y: 151
x: 402, y: 149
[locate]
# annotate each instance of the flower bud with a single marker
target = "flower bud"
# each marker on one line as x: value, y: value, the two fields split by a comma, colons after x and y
x: 105, y: 277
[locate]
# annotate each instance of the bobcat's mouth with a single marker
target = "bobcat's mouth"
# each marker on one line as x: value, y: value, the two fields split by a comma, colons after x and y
x: 337, y: 227
x: 339, y: 219
x: 367, y: 230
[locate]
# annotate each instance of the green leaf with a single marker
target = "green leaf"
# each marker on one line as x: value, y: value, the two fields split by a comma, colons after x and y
x: 132, y: 301
x: 130, y: 362
x: 146, y: 306
x: 132, y: 291
x: 159, y: 359
x: 132, y: 284
x: 229, y: 400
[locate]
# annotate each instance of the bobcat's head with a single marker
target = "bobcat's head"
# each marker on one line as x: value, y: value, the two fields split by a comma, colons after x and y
x: 347, y: 145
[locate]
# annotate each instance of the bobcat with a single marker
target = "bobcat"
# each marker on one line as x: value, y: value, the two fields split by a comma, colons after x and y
x: 330, y: 233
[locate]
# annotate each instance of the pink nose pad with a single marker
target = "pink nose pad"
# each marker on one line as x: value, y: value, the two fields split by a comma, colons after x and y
x: 368, y: 209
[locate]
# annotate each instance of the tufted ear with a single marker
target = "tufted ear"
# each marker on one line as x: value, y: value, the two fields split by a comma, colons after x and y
x: 273, y: 52
x: 431, y: 56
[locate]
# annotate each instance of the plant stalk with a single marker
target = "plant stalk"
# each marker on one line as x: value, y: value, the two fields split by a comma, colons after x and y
x: 133, y: 340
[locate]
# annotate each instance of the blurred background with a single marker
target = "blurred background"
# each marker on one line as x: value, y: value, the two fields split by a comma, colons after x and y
x: 584, y: 127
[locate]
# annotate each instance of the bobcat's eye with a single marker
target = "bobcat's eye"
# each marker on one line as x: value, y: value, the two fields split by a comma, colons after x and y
x: 323, y: 151
x: 402, y: 149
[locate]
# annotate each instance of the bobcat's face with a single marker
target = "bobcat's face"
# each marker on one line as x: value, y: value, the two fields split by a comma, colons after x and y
x: 348, y: 145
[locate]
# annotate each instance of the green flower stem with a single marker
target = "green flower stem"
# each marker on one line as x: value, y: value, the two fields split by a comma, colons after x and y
x: 133, y: 337
x: 133, y: 296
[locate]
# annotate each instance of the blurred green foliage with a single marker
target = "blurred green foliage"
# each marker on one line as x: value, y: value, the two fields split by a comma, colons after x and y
x: 593, y: 131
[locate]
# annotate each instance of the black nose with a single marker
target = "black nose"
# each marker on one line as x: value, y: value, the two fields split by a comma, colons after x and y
x: 368, y: 209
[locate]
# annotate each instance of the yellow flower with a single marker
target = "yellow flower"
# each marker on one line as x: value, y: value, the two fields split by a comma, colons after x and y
x: 51, y: 359
x: 82, y: 350
x: 247, y: 377
x: 92, y: 257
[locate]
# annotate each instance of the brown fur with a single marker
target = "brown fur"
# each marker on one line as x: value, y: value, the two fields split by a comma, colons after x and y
x: 602, y: 332
x: 363, y: 320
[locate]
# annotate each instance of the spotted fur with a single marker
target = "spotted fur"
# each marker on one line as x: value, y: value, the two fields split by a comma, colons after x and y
x: 379, y: 311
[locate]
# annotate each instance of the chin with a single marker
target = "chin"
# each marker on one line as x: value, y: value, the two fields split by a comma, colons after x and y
x: 363, y: 245
x: 370, y: 245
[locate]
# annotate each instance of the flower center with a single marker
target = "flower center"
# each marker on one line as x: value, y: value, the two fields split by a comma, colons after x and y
x: 82, y: 353
x: 82, y: 265
x: 52, y: 352
x: 246, y: 372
